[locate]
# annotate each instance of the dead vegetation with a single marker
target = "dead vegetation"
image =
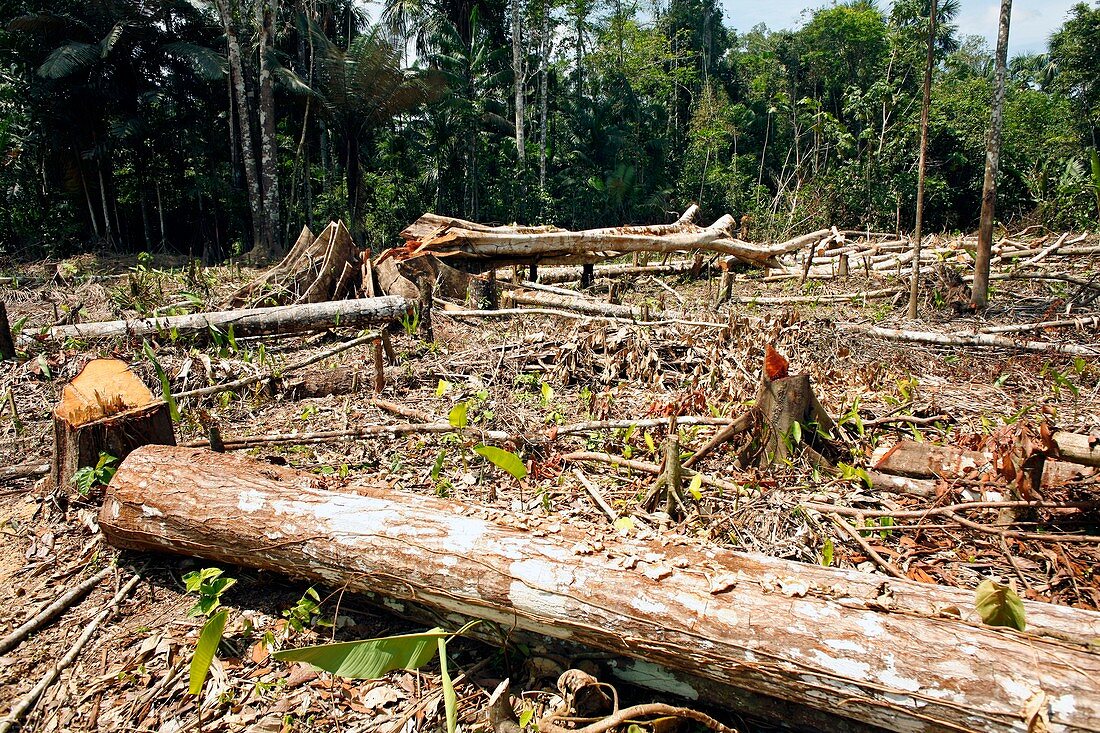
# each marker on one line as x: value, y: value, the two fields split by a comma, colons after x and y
x: 598, y: 406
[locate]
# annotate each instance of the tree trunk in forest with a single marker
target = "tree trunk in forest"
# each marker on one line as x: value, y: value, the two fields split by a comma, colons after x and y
x: 266, y: 11
x: 544, y: 93
x: 992, y: 159
x: 248, y: 321
x: 519, y: 73
x: 891, y: 653
x: 262, y: 246
x: 914, y: 284
x: 105, y: 409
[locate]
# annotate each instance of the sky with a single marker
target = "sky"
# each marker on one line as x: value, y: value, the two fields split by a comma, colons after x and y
x: 1032, y: 20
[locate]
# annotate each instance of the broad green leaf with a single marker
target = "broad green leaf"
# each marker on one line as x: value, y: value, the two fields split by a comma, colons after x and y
x: 796, y: 432
x: 827, y: 553
x: 547, y: 393
x: 695, y: 488
x: 457, y: 417
x: 443, y: 388
x: 998, y: 605
x: 526, y: 717
x: 370, y: 658
x: 450, y: 699
x: 502, y: 459
x: 649, y: 442
x: 194, y: 580
x: 209, y: 638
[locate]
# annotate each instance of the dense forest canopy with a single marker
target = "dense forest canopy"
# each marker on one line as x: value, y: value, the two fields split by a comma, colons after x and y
x: 213, y: 127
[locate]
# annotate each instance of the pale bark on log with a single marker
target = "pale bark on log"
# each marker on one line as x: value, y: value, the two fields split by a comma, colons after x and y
x: 282, y: 319
x: 821, y: 637
x: 971, y: 339
x: 470, y: 241
x: 921, y: 460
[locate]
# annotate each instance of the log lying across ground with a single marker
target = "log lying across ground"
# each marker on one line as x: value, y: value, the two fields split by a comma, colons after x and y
x: 357, y: 313
x: 889, y: 653
x: 473, y: 243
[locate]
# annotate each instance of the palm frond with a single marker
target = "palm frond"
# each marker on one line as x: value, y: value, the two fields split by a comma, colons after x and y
x: 69, y: 59
x: 207, y: 63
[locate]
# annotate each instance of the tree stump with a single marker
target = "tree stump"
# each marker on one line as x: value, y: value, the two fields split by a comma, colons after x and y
x: 7, y: 346
x: 106, y: 408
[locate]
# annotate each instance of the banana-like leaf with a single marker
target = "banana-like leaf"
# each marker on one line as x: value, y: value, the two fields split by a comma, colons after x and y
x: 450, y: 699
x: 209, y: 638
x: 369, y: 658
x: 502, y: 459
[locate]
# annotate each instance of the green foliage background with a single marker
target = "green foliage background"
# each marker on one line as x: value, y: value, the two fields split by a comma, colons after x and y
x: 116, y: 129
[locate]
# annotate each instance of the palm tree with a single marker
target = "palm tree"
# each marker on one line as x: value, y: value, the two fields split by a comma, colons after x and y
x: 360, y: 89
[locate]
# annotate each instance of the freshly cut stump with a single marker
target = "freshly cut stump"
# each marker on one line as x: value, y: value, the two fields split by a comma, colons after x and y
x: 106, y: 408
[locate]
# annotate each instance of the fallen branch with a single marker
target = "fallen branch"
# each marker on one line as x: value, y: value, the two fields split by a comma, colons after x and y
x: 52, y: 611
x: 25, y: 470
x: 262, y: 376
x: 970, y: 339
x: 26, y: 703
x: 653, y: 468
x: 283, y: 319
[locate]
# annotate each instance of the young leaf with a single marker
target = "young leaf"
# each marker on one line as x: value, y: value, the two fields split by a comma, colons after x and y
x: 998, y: 605
x: 547, y: 393
x: 505, y: 460
x: 370, y: 658
x: 457, y: 417
x: 450, y: 699
x: 443, y: 388
x: 695, y: 488
x: 165, y: 385
x: 623, y: 523
x: 209, y: 638
x: 827, y: 553
x: 526, y: 717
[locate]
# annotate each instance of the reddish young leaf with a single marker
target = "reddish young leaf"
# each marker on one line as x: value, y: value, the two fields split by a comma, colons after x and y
x: 775, y: 364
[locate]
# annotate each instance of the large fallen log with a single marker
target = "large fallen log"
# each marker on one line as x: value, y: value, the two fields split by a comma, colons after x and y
x: 477, y: 243
x: 245, y: 322
x: 889, y: 653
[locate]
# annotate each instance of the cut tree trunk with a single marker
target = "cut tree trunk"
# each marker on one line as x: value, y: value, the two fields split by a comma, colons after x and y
x: 921, y: 460
x: 7, y: 346
x: 107, y: 409
x: 889, y: 653
x: 326, y: 267
x: 281, y: 319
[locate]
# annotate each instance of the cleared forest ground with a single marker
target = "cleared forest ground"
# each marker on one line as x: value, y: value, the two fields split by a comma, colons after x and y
x: 530, y: 376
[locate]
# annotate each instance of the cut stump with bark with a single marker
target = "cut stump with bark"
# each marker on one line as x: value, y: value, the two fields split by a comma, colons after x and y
x: 318, y: 268
x: 107, y: 409
x: 896, y: 654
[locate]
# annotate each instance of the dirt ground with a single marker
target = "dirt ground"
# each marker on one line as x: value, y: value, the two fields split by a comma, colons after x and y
x: 524, y: 375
